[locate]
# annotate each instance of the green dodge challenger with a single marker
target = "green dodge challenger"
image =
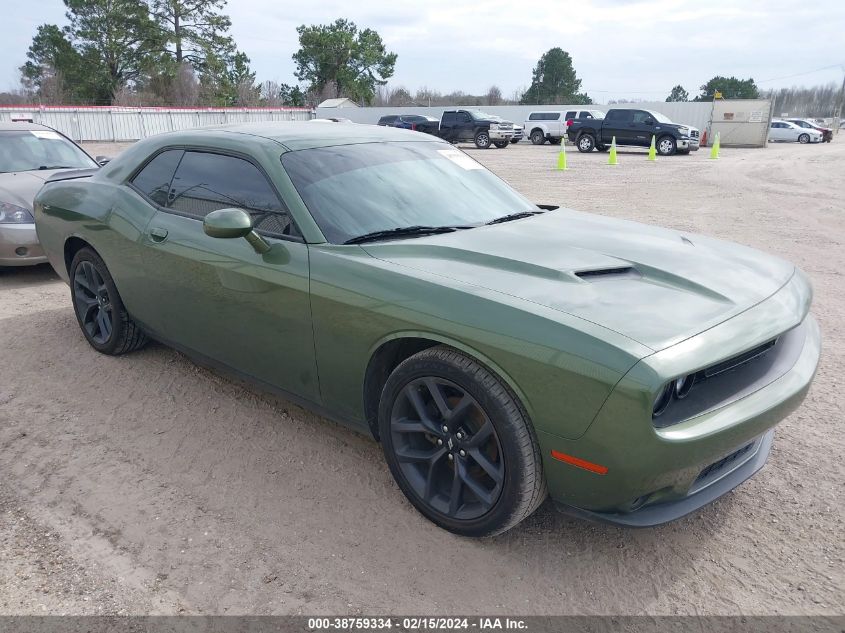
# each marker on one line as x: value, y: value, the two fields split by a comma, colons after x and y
x: 499, y: 350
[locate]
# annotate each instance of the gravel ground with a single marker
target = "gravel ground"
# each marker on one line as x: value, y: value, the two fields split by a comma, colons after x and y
x: 145, y: 484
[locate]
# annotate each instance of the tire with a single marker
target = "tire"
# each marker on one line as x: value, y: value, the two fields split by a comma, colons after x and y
x: 439, y: 461
x: 501, y: 144
x: 537, y: 137
x: 482, y: 140
x: 804, y: 139
x: 514, y: 141
x: 556, y: 140
x: 666, y: 146
x: 586, y: 143
x: 99, y: 310
x: 602, y: 148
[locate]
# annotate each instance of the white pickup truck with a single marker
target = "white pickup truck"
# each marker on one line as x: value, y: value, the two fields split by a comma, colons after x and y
x: 550, y: 125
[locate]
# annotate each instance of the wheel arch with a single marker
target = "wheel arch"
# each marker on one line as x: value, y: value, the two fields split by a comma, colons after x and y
x: 393, y: 349
x: 72, y: 246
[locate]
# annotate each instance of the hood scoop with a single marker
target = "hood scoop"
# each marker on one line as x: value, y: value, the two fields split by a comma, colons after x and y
x: 607, y: 274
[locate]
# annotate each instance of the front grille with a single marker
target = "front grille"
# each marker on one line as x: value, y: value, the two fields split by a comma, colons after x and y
x: 736, y: 361
x: 731, y: 379
x: 693, y: 133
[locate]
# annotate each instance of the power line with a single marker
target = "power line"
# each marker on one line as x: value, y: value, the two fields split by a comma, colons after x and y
x: 808, y: 72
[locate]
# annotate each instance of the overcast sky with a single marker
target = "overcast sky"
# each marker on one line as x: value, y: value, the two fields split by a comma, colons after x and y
x: 620, y: 48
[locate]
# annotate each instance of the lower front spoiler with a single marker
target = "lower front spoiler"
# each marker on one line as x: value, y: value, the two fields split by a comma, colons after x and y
x: 659, y: 513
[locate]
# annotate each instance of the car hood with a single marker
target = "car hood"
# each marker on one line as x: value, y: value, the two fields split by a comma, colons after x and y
x: 20, y: 187
x: 656, y: 286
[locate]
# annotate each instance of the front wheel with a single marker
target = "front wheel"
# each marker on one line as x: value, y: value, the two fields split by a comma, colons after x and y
x: 537, y: 137
x: 459, y: 444
x: 482, y: 140
x: 586, y: 143
x: 666, y: 146
x: 501, y: 144
x: 100, y: 312
x: 804, y: 138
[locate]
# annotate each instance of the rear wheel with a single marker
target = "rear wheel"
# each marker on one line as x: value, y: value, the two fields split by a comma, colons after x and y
x: 501, y: 144
x: 99, y: 309
x: 459, y: 444
x: 804, y: 138
x: 482, y: 140
x: 586, y: 143
x: 666, y: 146
x: 537, y: 137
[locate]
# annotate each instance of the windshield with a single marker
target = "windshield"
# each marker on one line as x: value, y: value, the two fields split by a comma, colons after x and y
x: 478, y: 114
x: 28, y: 150
x: 352, y: 190
x: 661, y: 118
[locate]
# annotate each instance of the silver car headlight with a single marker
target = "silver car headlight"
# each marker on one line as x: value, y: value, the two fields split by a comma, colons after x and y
x: 684, y: 131
x: 13, y: 214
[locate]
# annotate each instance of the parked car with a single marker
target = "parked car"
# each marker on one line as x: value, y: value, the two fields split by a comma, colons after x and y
x: 634, y: 128
x: 29, y: 155
x: 388, y: 119
x: 827, y: 133
x: 410, y: 121
x: 498, y: 349
x: 517, y: 133
x: 551, y: 125
x: 789, y: 132
x: 476, y: 126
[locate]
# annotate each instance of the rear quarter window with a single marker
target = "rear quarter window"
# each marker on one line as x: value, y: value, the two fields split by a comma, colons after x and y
x: 154, y: 178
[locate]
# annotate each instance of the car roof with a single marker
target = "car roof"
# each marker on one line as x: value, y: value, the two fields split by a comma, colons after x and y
x: 21, y: 125
x: 296, y: 135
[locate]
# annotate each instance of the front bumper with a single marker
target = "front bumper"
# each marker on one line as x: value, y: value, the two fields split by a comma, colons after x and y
x: 19, y: 245
x: 688, y: 144
x: 727, y: 476
x: 654, y: 475
x: 500, y: 135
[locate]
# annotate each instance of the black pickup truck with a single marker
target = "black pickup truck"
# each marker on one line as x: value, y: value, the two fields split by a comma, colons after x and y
x: 470, y: 125
x: 633, y: 128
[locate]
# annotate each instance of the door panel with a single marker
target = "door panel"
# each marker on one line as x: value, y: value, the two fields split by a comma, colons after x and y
x: 220, y: 298
x: 617, y: 126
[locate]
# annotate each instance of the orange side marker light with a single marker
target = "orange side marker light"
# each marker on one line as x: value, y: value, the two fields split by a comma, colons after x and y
x: 580, y: 463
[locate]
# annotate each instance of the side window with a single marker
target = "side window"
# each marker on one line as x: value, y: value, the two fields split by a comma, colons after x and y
x: 449, y: 118
x: 640, y: 116
x: 463, y: 117
x: 154, y: 179
x: 570, y: 115
x: 553, y: 116
x: 205, y: 182
x: 587, y: 115
x: 619, y: 116
x: 535, y: 116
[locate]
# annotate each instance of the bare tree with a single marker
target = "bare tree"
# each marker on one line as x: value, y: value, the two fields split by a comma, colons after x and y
x: 185, y: 89
x: 494, y: 96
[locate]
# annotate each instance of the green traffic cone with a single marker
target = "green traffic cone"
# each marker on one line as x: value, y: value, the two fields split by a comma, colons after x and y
x: 652, y: 151
x: 561, y: 157
x: 714, y: 149
x: 612, y: 160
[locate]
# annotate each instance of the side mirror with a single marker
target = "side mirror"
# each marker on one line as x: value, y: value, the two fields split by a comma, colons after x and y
x: 231, y: 223
x: 102, y: 160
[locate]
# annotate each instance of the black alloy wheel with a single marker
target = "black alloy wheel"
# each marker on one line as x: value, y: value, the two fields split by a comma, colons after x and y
x: 447, y: 448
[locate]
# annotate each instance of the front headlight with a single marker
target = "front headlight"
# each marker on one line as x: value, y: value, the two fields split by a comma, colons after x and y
x: 684, y: 131
x: 13, y: 214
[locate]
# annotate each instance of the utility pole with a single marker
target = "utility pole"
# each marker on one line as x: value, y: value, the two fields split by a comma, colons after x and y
x: 837, y: 113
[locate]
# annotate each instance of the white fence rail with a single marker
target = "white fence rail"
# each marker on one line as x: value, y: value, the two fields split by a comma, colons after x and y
x: 95, y: 123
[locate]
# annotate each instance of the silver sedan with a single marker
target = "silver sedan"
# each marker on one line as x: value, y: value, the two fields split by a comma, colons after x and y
x: 29, y: 155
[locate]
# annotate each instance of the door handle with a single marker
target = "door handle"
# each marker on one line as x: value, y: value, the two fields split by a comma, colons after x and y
x: 158, y: 235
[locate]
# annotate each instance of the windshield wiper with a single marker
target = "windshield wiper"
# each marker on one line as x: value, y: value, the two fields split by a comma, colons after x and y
x: 55, y: 167
x: 403, y: 231
x: 514, y: 216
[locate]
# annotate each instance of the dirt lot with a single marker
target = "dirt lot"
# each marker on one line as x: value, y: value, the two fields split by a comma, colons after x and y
x: 145, y: 484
